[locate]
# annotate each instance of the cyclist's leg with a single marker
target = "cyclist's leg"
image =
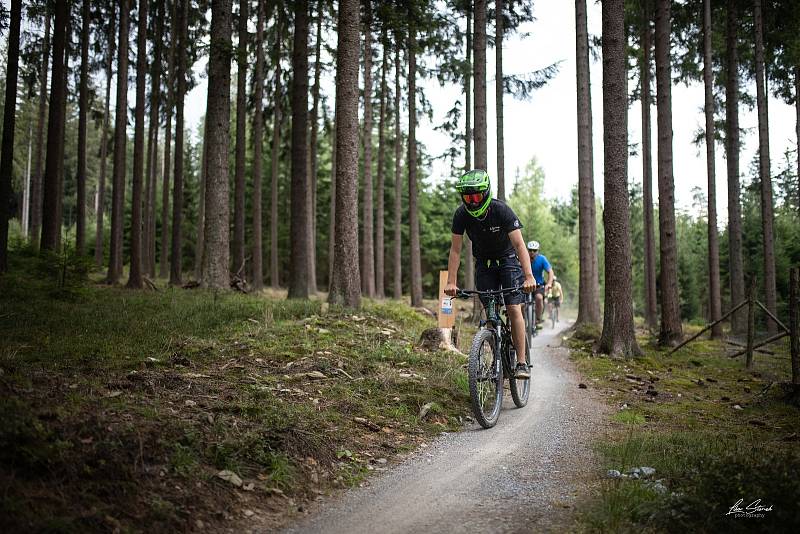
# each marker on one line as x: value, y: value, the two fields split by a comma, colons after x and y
x: 512, y: 276
x: 539, y: 304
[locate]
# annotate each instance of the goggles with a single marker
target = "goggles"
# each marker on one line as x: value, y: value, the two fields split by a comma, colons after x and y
x: 473, y: 198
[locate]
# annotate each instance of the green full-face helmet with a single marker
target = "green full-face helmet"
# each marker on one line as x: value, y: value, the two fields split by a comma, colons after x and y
x: 476, y: 192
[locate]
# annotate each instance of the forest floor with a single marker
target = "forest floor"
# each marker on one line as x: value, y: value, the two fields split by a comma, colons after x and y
x: 193, y: 410
x: 713, y: 431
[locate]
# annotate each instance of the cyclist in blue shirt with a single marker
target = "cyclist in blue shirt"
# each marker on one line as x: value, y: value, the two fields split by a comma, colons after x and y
x: 539, y: 265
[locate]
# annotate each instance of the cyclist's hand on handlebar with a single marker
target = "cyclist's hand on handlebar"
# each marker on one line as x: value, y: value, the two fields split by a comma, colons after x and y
x: 451, y: 290
x: 529, y: 285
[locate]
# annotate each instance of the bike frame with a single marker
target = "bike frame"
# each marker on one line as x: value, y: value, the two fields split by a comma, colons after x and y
x: 501, y: 328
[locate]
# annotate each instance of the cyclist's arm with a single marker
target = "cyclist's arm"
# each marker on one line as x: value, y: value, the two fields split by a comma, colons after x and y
x: 454, y: 259
x: 550, y: 275
x: 522, y: 252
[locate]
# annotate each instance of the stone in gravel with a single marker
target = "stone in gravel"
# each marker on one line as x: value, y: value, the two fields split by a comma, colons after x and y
x: 613, y: 473
x: 737, y: 407
x: 230, y: 476
x: 582, y: 385
x: 652, y: 392
x: 659, y: 488
x: 648, y: 471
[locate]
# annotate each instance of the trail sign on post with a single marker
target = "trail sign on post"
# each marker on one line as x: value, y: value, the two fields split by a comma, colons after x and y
x: 447, y: 314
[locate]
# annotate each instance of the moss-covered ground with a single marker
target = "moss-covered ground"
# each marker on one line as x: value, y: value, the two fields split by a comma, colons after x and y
x: 122, y: 410
x: 714, y: 431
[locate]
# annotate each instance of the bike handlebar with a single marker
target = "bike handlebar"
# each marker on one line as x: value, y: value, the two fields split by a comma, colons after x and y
x: 466, y: 293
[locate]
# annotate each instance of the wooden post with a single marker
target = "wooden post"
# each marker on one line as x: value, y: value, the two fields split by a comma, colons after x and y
x: 794, y: 323
x: 447, y: 316
x: 751, y: 324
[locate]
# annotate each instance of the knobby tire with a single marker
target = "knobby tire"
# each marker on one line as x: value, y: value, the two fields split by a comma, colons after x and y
x: 485, y: 384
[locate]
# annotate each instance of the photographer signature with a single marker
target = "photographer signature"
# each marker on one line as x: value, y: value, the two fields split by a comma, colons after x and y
x: 751, y: 508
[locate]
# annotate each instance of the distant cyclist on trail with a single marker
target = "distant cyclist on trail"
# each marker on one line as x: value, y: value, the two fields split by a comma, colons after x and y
x: 498, y: 247
x: 539, y: 265
x: 555, y: 296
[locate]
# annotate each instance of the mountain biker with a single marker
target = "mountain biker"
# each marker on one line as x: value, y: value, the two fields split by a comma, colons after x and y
x: 498, y: 247
x: 539, y: 265
x: 556, y: 294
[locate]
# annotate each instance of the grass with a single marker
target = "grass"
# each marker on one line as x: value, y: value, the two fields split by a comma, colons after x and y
x: 120, y: 407
x: 714, y: 431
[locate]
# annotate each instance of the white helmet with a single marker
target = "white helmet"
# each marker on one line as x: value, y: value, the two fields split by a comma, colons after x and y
x: 533, y: 245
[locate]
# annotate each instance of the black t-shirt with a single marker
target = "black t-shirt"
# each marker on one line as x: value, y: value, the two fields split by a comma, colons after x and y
x: 489, y: 236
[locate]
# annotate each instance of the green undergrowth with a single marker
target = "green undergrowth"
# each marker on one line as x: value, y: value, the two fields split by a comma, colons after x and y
x: 120, y: 408
x: 714, y: 432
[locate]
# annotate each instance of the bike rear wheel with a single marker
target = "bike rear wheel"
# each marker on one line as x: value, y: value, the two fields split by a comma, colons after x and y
x: 485, y: 379
x: 530, y: 319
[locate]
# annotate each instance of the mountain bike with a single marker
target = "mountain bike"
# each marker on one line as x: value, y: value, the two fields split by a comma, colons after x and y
x: 492, y: 358
x: 553, y: 313
x: 530, y: 316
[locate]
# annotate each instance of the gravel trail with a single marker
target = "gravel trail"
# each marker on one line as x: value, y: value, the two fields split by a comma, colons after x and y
x: 524, y: 475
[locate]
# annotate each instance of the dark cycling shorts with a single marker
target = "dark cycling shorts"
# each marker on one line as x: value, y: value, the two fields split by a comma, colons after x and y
x: 556, y: 301
x: 540, y: 290
x: 499, y: 274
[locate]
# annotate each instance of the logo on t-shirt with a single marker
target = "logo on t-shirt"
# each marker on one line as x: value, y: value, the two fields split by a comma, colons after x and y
x: 516, y: 223
x: 494, y: 228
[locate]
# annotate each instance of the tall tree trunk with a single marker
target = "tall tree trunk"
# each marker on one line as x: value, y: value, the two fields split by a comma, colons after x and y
x: 38, y: 179
x: 274, y: 273
x: 345, y: 287
x: 101, y: 186
x: 397, y: 241
x: 241, y: 147
x: 62, y: 138
x: 480, y: 134
x: 767, y: 214
x: 258, y: 134
x: 797, y: 127
x: 618, y: 333
x: 736, y: 268
x: 200, y: 229
x: 715, y: 300
x: 51, y: 222
x: 332, y: 218
x: 671, y: 328
x: 313, y: 164
x: 413, y: 216
x: 80, y: 227
x: 176, y: 261
x: 163, y: 263
x: 135, y: 275
x: 650, y: 298
x: 499, y: 91
x: 26, y: 191
x: 469, y: 262
x: 588, y: 282
x: 300, y: 216
x: 367, y: 251
x: 149, y: 244
x: 379, y: 208
x: 9, y: 115
x: 480, y: 85
x: 216, y: 253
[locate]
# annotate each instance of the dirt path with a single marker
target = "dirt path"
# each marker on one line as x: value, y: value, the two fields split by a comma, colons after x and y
x: 523, y: 475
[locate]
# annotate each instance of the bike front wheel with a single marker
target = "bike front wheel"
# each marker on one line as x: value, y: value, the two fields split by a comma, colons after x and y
x: 521, y: 388
x: 485, y: 379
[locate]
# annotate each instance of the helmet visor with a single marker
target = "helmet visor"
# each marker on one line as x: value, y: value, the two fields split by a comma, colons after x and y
x: 473, y: 200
